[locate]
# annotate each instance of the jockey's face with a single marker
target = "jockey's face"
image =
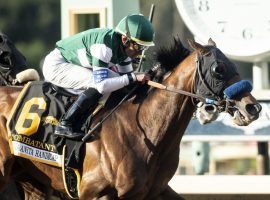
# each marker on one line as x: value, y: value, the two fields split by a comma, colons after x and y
x: 131, y: 48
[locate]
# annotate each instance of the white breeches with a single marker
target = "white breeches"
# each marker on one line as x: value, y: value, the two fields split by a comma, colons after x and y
x: 67, y: 75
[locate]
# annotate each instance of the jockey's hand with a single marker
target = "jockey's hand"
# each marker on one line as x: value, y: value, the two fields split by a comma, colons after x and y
x: 142, y: 77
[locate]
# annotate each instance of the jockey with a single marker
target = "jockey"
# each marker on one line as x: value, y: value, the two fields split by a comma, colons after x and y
x: 85, y: 62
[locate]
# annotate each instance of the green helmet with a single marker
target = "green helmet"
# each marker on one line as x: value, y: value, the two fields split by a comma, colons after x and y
x: 137, y: 28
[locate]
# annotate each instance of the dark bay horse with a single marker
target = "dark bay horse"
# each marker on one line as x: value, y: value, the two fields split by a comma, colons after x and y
x: 136, y: 151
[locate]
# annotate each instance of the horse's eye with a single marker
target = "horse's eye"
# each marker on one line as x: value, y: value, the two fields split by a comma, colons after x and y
x: 218, y: 71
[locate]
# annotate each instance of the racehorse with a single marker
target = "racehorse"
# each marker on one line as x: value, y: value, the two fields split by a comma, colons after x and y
x: 135, y: 152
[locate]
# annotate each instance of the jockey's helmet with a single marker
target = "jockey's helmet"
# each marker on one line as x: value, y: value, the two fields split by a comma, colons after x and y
x: 137, y: 28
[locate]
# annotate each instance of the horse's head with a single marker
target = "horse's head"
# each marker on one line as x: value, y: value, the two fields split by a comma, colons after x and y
x: 219, y: 82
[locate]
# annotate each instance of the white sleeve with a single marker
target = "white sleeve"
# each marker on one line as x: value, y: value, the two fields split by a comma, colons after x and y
x: 109, y: 85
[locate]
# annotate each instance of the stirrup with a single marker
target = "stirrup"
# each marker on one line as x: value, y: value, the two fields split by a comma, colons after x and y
x: 66, y: 132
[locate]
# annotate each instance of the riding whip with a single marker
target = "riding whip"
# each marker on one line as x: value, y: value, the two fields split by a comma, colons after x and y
x: 150, y: 19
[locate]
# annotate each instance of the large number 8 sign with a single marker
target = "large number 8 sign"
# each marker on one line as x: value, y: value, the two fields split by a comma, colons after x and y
x: 27, y: 115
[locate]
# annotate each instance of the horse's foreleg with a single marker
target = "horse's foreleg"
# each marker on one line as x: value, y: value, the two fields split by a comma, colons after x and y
x: 11, y: 191
x: 6, y: 159
x: 28, y: 191
x: 6, y: 162
x: 94, y: 186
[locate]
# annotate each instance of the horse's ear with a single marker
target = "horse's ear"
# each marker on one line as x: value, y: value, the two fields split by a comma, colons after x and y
x: 211, y: 42
x: 197, y: 47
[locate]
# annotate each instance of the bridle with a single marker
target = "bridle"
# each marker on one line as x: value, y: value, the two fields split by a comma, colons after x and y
x: 223, y: 104
x: 202, y: 79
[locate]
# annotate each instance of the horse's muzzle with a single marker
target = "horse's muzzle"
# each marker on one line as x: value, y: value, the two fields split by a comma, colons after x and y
x: 247, y: 115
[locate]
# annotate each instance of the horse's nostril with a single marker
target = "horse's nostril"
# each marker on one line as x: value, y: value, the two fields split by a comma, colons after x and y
x: 210, y: 108
x: 253, y: 109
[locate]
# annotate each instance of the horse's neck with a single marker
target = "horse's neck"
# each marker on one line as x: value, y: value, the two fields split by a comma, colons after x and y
x: 166, y: 114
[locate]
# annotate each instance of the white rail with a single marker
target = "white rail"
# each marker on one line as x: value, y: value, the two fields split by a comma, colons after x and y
x: 221, y: 184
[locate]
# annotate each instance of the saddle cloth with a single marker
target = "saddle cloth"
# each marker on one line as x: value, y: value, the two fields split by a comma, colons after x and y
x: 32, y: 122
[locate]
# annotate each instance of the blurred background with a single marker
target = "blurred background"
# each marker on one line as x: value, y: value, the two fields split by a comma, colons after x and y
x: 34, y: 26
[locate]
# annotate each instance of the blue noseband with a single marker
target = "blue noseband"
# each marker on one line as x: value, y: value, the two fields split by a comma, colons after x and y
x: 237, y: 89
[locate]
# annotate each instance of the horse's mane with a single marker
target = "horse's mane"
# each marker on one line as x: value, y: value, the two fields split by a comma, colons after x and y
x: 170, y: 56
x: 167, y: 57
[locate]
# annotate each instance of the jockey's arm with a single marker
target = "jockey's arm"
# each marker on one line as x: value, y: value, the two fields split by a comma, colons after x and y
x: 105, y: 84
x: 106, y: 81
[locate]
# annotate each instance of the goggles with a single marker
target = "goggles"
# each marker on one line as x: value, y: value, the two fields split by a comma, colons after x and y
x: 139, y: 47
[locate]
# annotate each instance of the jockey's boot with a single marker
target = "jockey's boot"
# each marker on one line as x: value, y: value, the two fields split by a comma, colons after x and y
x: 88, y: 99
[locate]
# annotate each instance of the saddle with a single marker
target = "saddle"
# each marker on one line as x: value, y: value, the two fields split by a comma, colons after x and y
x: 31, y: 125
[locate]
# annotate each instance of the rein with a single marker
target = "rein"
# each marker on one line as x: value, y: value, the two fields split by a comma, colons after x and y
x: 178, y: 91
x: 190, y: 94
x: 222, y: 105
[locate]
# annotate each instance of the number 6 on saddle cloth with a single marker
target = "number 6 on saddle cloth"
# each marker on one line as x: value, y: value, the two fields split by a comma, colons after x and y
x: 32, y: 121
